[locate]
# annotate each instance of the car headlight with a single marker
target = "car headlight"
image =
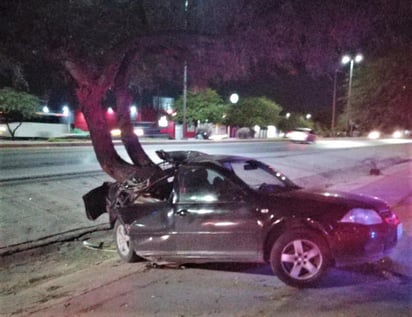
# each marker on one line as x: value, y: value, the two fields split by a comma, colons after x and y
x: 139, y: 131
x: 115, y: 132
x: 362, y: 216
x: 373, y: 135
x: 397, y: 134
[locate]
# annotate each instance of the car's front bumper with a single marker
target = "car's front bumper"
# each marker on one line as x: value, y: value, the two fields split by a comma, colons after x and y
x: 355, y: 244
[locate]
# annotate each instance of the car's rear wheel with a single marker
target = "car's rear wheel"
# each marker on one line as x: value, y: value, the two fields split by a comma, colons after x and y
x: 124, y: 244
x: 300, y: 258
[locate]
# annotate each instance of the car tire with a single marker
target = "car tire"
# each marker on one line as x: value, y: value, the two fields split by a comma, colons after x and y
x: 124, y: 244
x: 300, y: 258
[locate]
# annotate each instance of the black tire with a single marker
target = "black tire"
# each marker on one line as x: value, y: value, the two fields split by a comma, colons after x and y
x: 300, y: 258
x: 124, y: 244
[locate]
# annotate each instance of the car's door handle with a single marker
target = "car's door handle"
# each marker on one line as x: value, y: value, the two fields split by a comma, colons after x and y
x: 182, y: 212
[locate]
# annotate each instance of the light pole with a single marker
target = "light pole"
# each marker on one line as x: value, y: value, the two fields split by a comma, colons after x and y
x: 349, y: 59
x: 66, y: 113
x: 185, y: 79
x: 332, y: 125
x: 184, y: 99
x: 234, y: 99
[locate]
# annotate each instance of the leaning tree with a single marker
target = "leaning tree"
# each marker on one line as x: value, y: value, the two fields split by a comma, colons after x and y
x: 128, y: 46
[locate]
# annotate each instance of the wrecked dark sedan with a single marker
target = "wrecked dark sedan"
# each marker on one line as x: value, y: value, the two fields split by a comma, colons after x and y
x: 212, y: 208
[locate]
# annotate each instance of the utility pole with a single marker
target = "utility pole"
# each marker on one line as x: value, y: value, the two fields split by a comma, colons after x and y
x: 349, y: 59
x: 332, y: 126
x: 185, y: 79
x: 184, y: 98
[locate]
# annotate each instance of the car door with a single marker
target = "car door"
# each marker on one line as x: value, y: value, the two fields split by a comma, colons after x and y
x: 213, y: 217
x: 150, y: 221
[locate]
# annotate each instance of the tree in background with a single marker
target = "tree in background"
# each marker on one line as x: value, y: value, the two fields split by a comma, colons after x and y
x: 382, y: 93
x: 252, y: 111
x: 15, y: 106
x: 202, y: 106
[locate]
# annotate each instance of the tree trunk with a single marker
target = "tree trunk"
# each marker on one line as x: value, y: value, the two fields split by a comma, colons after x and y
x: 13, y: 131
x: 91, y: 89
x: 90, y: 98
x: 129, y: 138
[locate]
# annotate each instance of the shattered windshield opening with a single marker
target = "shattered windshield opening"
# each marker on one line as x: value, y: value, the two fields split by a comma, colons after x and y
x: 261, y: 177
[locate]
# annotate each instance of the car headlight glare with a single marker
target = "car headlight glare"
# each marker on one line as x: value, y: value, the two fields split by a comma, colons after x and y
x: 373, y: 135
x: 362, y: 216
x: 139, y: 131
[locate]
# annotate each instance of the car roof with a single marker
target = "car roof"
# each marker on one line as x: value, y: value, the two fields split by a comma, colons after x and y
x: 178, y: 158
x: 196, y: 157
x: 303, y: 129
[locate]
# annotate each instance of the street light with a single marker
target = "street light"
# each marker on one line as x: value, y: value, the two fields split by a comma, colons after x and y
x: 349, y: 59
x: 234, y: 98
x: 133, y: 113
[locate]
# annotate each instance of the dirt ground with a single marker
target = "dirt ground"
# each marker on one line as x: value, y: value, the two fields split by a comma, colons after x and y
x: 60, y: 274
x: 22, y: 273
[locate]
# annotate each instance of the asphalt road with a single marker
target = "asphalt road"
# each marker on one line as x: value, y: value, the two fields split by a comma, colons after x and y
x: 49, y: 159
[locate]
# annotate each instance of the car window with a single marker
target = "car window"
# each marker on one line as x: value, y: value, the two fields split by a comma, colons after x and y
x: 199, y: 184
x: 260, y: 177
x: 162, y: 189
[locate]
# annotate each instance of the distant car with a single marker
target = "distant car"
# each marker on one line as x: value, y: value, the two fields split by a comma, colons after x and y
x: 143, y: 129
x: 397, y: 134
x: 374, y: 135
x: 301, y: 135
x: 209, y: 208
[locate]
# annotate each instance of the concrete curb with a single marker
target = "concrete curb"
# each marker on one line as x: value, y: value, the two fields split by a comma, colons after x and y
x: 36, y: 143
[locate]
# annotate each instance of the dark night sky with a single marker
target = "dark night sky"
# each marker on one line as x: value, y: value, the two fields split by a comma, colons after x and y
x: 301, y: 93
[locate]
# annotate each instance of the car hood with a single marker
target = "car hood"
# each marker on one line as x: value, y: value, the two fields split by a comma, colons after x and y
x: 315, y: 201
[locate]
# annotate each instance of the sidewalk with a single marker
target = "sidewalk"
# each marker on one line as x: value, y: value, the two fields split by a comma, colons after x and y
x: 51, y: 210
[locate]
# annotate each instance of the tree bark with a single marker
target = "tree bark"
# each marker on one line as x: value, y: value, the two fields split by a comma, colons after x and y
x: 90, y: 98
x: 90, y: 91
x: 13, y: 131
x: 123, y: 101
x: 129, y: 138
